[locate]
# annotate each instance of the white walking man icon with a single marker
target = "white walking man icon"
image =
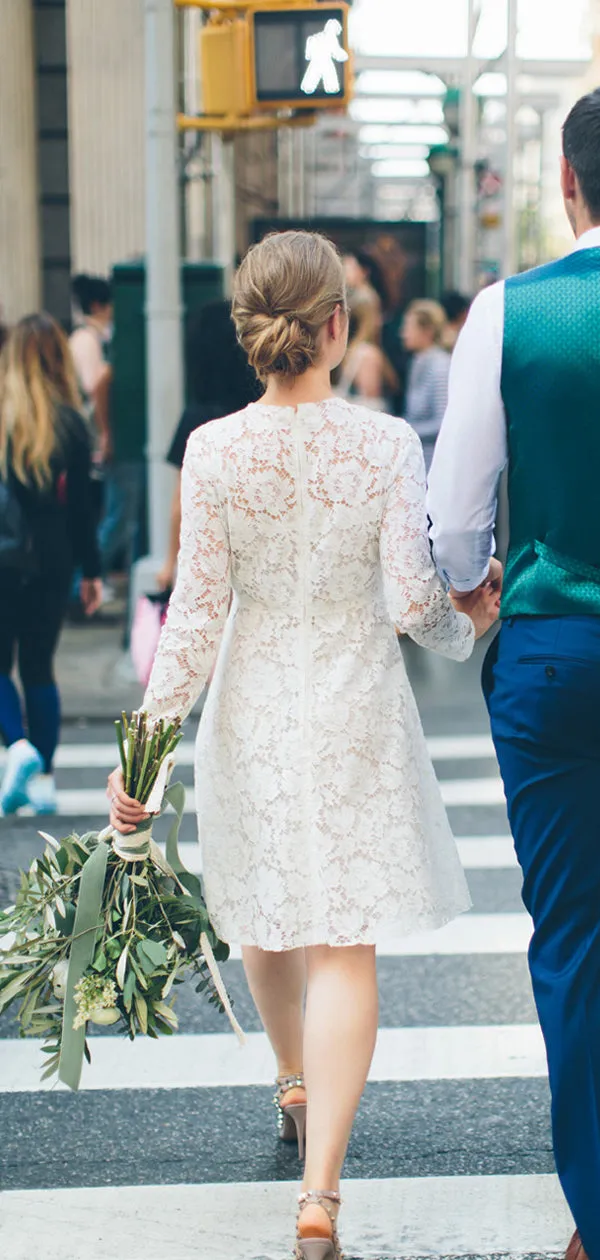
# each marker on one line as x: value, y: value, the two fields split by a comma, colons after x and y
x: 322, y: 51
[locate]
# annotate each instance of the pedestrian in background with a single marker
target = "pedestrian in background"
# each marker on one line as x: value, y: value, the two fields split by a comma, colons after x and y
x: 88, y: 345
x: 525, y: 392
x: 456, y: 309
x: 319, y: 814
x: 367, y: 376
x: 222, y: 383
x: 428, y: 373
x: 46, y: 526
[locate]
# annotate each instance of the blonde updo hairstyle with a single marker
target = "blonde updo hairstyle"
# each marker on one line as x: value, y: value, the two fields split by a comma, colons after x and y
x: 285, y: 291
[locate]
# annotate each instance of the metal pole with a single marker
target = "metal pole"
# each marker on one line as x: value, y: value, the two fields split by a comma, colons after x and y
x: 510, y: 243
x: 468, y: 147
x: 163, y: 297
x: 224, y: 247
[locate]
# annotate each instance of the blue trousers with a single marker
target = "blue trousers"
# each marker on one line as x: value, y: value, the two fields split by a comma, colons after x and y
x: 542, y: 686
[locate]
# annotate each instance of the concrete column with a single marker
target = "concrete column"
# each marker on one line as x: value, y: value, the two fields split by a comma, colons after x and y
x: 19, y: 250
x: 107, y: 138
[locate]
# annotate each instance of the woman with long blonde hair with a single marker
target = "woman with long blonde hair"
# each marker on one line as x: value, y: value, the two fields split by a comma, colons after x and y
x: 46, y: 526
x: 320, y: 818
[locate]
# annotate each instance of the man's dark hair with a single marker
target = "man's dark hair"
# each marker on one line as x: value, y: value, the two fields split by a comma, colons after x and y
x: 90, y: 291
x: 581, y: 147
x: 455, y: 304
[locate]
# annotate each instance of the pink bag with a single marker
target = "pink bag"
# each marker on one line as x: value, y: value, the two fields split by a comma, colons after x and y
x: 149, y: 615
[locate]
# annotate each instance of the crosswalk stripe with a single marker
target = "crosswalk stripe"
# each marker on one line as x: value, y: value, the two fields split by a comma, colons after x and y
x: 381, y: 1220
x: 92, y: 802
x: 213, y: 1060
x: 103, y: 756
x: 484, y: 853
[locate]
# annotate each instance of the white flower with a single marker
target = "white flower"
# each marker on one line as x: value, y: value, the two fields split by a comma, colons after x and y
x: 59, y: 979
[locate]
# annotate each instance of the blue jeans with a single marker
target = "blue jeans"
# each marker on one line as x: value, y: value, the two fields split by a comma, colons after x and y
x: 119, y: 528
x: 542, y: 686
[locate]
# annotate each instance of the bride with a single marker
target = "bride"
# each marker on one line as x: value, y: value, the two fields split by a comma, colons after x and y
x: 320, y: 819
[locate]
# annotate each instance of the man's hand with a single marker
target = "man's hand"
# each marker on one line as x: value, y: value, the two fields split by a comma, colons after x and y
x: 466, y: 601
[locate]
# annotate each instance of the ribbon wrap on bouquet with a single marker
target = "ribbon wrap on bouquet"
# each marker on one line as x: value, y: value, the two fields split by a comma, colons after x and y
x: 88, y: 918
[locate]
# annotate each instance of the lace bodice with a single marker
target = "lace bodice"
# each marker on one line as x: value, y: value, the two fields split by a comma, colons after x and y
x: 302, y: 511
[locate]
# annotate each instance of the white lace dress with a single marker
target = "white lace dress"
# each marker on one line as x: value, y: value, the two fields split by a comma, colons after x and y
x: 320, y: 818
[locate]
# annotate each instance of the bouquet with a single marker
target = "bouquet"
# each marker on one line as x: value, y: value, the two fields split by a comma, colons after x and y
x: 105, y: 926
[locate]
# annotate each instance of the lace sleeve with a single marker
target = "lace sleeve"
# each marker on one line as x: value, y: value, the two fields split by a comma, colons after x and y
x: 200, y: 601
x: 416, y: 598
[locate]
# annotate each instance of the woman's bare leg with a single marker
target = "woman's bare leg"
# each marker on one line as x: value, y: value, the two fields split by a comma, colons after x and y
x: 333, y: 1043
x: 340, y: 1032
x: 277, y: 983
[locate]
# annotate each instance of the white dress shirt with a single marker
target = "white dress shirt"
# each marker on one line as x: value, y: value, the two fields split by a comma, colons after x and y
x: 472, y: 448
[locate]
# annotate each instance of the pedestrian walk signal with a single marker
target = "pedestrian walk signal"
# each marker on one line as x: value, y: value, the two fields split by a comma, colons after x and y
x: 300, y: 57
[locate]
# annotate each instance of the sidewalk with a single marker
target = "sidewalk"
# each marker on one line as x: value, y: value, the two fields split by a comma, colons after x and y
x: 94, y: 672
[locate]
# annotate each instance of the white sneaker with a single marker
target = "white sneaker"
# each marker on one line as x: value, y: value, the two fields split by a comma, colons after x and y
x: 23, y: 761
x: 41, y: 794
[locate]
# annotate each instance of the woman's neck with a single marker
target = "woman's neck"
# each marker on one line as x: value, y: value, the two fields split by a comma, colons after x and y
x: 313, y: 386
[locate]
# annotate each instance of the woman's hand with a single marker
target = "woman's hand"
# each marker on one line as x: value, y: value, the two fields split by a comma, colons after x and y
x: 125, y: 813
x: 165, y: 578
x: 483, y: 607
x: 91, y: 595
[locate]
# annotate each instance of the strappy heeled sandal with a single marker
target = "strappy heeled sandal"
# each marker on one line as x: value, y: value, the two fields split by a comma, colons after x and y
x: 291, y: 1119
x: 315, y: 1246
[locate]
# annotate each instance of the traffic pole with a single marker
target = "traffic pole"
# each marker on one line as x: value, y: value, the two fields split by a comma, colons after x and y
x: 510, y: 243
x: 468, y: 149
x: 164, y: 352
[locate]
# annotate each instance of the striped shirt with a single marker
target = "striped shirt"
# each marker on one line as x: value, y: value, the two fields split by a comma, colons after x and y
x: 427, y: 391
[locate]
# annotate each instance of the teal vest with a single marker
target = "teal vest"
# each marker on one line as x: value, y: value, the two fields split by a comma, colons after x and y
x: 551, y: 394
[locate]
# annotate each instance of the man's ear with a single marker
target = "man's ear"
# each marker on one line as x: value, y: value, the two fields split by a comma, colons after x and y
x: 568, y: 180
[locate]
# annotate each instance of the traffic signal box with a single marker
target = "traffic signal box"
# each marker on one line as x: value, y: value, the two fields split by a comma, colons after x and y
x: 276, y: 56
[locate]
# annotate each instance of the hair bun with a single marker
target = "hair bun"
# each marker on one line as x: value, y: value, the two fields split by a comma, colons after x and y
x: 279, y: 345
x: 286, y: 289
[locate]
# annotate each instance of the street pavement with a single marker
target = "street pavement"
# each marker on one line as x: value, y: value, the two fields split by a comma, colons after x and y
x: 169, y: 1150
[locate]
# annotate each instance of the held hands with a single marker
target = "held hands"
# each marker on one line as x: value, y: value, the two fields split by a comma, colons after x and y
x: 483, y: 604
x: 125, y: 813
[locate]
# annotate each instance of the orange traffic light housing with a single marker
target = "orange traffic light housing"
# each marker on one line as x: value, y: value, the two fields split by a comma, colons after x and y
x: 262, y: 58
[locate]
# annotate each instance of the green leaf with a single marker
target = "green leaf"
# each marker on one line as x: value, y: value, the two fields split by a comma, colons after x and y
x: 166, y: 1029
x: 121, y: 967
x: 166, y: 989
x: 165, y: 1012
x: 128, y: 990
x: 146, y: 963
x: 154, y: 950
x: 66, y: 923
x: 141, y: 1010
x: 99, y: 963
x: 138, y: 971
x: 50, y: 1069
x: 62, y: 857
x: 11, y: 990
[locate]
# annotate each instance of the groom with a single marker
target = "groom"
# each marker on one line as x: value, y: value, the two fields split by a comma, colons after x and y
x: 525, y: 392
